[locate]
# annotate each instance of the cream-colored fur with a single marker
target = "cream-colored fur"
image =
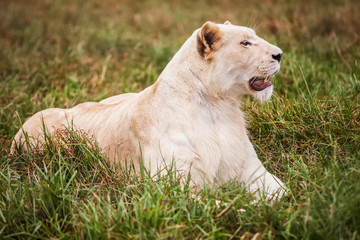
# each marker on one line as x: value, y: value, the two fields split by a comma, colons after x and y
x: 191, y: 115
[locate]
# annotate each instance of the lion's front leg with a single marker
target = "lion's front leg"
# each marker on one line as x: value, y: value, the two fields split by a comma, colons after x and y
x: 259, y: 181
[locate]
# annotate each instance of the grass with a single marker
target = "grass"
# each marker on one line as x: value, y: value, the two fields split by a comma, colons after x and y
x: 61, y: 53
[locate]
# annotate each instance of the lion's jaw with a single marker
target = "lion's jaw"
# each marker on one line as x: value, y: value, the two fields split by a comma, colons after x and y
x: 237, y: 62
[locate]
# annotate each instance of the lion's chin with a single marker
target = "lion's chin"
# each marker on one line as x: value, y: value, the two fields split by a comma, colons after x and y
x: 264, y: 95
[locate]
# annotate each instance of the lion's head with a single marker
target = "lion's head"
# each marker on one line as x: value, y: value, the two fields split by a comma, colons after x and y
x: 239, y: 61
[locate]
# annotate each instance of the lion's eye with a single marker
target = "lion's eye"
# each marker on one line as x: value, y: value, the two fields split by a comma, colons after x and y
x: 245, y: 43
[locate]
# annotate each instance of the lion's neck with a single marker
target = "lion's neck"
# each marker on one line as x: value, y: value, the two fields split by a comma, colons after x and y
x: 190, y: 75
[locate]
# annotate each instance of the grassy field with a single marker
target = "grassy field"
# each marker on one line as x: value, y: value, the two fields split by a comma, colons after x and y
x: 61, y: 53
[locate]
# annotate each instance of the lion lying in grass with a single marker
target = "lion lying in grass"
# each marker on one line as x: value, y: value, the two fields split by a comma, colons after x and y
x: 190, y: 116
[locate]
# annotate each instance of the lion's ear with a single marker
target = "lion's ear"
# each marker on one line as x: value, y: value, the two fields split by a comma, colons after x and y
x: 208, y: 40
x: 227, y: 23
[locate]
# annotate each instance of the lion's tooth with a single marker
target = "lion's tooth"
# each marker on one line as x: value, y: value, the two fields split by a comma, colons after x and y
x: 266, y: 79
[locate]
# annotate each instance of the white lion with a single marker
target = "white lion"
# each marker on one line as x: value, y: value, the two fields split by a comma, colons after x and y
x: 191, y: 115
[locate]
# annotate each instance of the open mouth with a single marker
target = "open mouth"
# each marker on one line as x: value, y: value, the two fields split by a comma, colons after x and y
x: 260, y: 83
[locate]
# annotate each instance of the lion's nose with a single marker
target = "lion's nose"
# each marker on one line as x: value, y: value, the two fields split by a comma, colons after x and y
x: 277, y: 57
